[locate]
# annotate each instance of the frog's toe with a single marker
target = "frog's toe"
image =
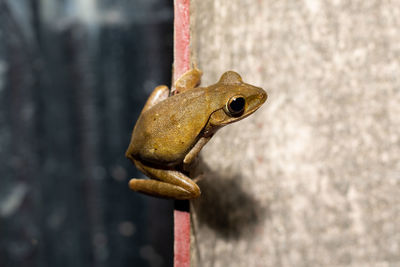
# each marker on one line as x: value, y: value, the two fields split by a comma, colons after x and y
x: 163, y: 190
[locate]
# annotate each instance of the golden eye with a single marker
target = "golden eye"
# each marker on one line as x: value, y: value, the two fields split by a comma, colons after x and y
x: 236, y: 105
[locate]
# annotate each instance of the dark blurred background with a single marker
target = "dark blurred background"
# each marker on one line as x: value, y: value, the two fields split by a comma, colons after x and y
x: 74, y: 75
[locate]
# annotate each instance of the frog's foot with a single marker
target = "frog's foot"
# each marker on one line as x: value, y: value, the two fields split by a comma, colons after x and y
x: 188, y: 80
x: 165, y: 183
x: 162, y: 189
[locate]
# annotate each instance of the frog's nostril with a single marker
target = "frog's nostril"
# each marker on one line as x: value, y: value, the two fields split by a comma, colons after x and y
x: 263, y: 95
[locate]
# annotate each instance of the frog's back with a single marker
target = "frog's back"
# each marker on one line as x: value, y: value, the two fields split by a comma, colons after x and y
x: 165, y: 133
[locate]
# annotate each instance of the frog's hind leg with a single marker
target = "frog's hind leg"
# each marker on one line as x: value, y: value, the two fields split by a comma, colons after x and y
x: 165, y: 183
x: 159, y: 94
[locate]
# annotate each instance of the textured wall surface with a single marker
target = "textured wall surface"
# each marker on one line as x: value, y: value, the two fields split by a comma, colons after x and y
x: 313, y: 178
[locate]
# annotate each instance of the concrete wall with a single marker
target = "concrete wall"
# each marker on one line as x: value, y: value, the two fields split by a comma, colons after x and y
x: 313, y: 178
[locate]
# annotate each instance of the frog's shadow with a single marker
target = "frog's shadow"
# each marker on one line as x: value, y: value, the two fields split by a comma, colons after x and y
x: 225, y: 207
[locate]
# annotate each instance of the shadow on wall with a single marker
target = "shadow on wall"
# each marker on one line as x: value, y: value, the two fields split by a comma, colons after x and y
x: 225, y: 207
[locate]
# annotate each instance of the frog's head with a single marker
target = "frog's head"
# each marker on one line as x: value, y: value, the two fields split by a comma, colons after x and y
x: 236, y: 99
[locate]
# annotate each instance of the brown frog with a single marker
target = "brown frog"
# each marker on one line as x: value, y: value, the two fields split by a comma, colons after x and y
x: 171, y: 130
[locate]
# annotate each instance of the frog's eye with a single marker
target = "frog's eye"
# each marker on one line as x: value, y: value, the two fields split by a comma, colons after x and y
x: 235, y: 105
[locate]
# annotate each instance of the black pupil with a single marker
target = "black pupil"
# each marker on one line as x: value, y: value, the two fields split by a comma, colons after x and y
x: 237, y: 104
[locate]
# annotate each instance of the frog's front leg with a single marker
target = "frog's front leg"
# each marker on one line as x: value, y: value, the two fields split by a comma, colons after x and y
x: 189, y: 158
x: 167, y: 183
x: 188, y: 80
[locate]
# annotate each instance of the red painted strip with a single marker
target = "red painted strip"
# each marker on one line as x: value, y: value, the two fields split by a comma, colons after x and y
x: 182, y: 238
x: 181, y: 65
x: 181, y: 37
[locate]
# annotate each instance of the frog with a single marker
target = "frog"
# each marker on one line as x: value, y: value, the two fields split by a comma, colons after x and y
x: 172, y: 129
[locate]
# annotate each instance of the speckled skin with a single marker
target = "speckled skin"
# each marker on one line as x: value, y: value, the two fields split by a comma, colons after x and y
x: 171, y: 131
